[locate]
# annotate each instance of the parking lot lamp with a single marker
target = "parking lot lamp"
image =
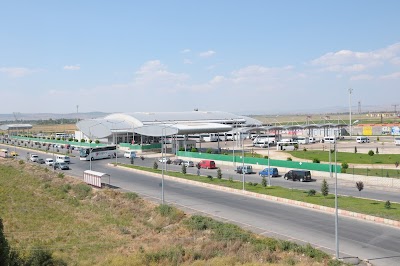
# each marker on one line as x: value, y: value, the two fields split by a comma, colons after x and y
x: 243, y: 178
x: 336, y: 207
x: 269, y: 169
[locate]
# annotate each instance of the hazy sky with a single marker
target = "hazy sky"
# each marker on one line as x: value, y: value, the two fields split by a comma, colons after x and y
x: 236, y: 56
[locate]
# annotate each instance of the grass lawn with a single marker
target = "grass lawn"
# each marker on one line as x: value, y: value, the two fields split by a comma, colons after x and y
x: 371, y: 207
x: 347, y: 157
x: 394, y: 173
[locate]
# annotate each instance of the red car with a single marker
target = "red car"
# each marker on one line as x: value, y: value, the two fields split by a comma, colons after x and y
x: 208, y: 164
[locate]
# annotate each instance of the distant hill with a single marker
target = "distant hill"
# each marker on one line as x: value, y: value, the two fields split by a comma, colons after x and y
x: 45, y: 116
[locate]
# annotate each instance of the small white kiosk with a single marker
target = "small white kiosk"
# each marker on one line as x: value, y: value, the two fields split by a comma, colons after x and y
x: 94, y: 178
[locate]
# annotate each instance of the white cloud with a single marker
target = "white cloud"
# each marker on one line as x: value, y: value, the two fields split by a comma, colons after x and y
x: 395, y: 75
x: 187, y: 61
x: 361, y: 77
x: 185, y: 51
x: 71, y: 67
x: 350, y: 61
x: 207, y: 53
x: 16, y: 72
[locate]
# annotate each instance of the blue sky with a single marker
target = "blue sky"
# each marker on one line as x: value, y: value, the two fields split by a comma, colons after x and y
x: 262, y: 57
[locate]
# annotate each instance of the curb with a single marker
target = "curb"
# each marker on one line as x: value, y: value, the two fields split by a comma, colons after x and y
x: 360, y: 216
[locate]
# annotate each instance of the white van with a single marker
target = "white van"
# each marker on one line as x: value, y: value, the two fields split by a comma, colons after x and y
x: 130, y: 154
x: 49, y: 161
x: 329, y: 139
x: 303, y: 140
x: 397, y: 141
x: 362, y: 140
x: 312, y: 140
x: 62, y: 159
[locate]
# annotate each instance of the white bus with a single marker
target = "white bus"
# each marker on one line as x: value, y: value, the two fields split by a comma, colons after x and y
x: 212, y: 137
x: 61, y: 135
x: 95, y: 153
x: 286, y: 145
x: 265, y: 138
x: 303, y: 140
x: 196, y: 137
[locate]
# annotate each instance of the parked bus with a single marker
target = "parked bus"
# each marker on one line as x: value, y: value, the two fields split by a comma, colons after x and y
x: 286, y: 146
x: 4, y: 153
x: 61, y: 136
x: 95, y: 153
x: 212, y: 137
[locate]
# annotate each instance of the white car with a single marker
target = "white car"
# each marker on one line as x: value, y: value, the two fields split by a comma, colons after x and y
x: 188, y: 163
x: 34, y: 157
x: 130, y: 154
x: 49, y: 161
x: 164, y: 160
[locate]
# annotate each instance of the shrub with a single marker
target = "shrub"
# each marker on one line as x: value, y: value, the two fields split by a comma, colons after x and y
x: 97, y: 141
x: 82, y: 190
x: 387, y: 204
x: 131, y: 195
x: 304, y: 149
x: 289, y: 159
x: 209, y: 150
x: 60, y: 175
x: 345, y: 165
x: 360, y: 186
x: 182, y: 149
x: 193, y: 149
x: 263, y: 181
x: 255, y: 184
x: 265, y: 156
x: 296, y: 146
x: 377, y: 138
x: 65, y: 188
x: 316, y: 160
x: 230, y: 179
x: 210, y: 177
x: 250, y: 183
x: 371, y: 153
x: 311, y: 192
x: 183, y: 169
x: 83, y: 140
x: 219, y: 173
x: 21, y: 162
x: 324, y: 188
x: 155, y: 165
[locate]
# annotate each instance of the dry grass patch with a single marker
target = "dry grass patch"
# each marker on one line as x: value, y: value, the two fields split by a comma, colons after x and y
x: 86, y: 226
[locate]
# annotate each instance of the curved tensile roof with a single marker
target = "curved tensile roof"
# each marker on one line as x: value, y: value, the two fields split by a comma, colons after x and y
x: 15, y: 126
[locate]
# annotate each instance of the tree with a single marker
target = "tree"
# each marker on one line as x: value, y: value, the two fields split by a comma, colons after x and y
x: 324, y: 188
x: 219, y: 173
x: 155, y: 165
x: 360, y: 186
x: 387, y: 204
x: 371, y: 153
x: 377, y: 151
x: 345, y: 166
x: 355, y: 149
x: 263, y: 181
x: 183, y: 169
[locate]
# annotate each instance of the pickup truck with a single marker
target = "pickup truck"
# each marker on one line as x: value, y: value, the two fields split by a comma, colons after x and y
x: 34, y: 157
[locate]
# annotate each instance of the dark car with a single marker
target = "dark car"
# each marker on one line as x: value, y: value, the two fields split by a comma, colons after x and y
x: 40, y: 161
x: 301, y: 175
x: 61, y: 166
x: 177, y: 161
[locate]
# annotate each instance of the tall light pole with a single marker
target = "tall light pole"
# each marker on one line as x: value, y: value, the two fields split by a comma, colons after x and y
x: 336, y: 207
x: 269, y: 169
x: 351, y: 130
x: 243, y: 179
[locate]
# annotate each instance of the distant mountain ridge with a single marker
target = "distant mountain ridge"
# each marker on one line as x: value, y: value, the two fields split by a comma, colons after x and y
x: 45, y: 116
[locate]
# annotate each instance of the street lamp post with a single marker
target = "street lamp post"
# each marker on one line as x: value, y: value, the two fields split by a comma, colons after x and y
x: 336, y: 208
x: 243, y: 178
x: 269, y: 169
x: 351, y: 129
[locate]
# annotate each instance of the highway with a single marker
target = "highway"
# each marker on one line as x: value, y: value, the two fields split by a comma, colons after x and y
x: 377, y: 243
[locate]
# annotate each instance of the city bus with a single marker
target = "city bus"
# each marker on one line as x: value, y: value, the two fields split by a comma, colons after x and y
x: 97, y: 153
x: 212, y: 137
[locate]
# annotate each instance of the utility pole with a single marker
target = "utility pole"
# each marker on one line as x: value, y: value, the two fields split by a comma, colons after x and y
x: 359, y: 107
x: 351, y: 130
x: 395, y: 106
x: 77, y: 108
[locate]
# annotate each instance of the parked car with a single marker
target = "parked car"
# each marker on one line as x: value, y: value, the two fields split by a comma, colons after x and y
x: 177, y: 161
x: 14, y: 153
x: 61, y: 166
x: 40, y: 161
x: 164, y: 160
x: 34, y: 157
x: 188, y: 163
x: 49, y: 161
x: 208, y: 164
x: 274, y: 172
x: 130, y: 154
x: 247, y: 169
x: 301, y: 175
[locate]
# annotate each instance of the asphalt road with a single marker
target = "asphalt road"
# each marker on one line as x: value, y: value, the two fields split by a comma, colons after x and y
x: 377, y: 243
